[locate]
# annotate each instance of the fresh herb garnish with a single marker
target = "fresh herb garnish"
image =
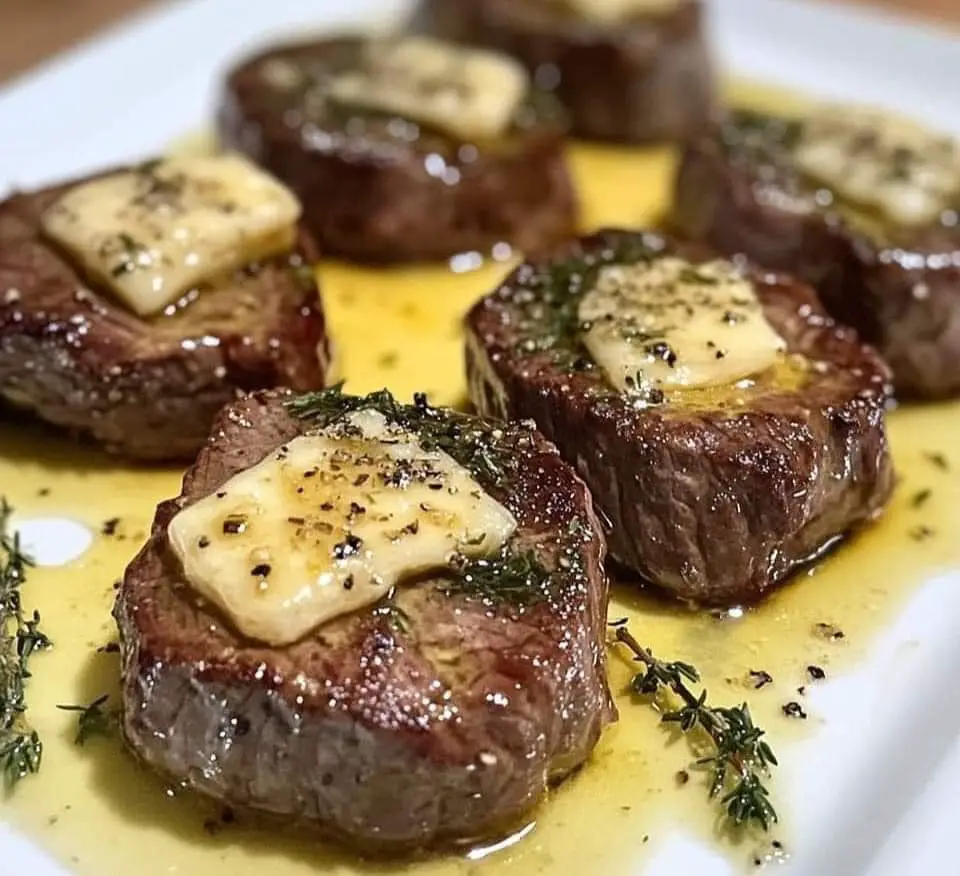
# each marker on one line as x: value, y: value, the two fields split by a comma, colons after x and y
x: 488, y: 450
x: 549, y: 312
x: 469, y: 440
x: 92, y: 719
x: 21, y: 750
x: 519, y: 579
x: 741, y: 759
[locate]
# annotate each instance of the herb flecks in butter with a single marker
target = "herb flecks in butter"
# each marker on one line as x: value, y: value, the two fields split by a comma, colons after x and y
x: 468, y: 93
x: 155, y: 232
x: 668, y: 324
x: 881, y: 161
x: 331, y: 522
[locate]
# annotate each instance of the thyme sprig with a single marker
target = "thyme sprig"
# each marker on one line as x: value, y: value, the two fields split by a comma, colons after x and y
x: 92, y: 719
x: 21, y: 750
x: 741, y: 758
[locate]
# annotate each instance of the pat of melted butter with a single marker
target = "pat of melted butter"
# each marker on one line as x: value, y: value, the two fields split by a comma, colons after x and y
x: 668, y: 324
x: 329, y: 523
x: 609, y: 12
x: 153, y: 233
x: 98, y: 811
x: 469, y: 93
x: 881, y: 161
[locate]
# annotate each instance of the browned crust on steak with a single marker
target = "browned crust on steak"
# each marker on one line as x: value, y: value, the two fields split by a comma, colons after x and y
x: 375, y: 197
x: 902, y: 296
x: 715, y: 505
x: 649, y: 79
x: 442, y: 729
x: 146, y: 388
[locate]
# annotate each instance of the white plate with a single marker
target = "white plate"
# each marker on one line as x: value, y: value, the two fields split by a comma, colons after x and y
x: 892, y: 804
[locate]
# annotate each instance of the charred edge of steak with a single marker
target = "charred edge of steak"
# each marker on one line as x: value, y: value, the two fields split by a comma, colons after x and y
x: 370, y: 195
x: 146, y: 388
x: 649, y: 79
x: 716, y: 504
x: 739, y: 190
x: 437, y: 716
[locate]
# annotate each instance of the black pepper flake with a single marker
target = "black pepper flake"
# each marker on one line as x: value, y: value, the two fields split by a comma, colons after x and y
x: 937, y: 460
x: 816, y: 673
x: 109, y: 648
x: 435, y: 486
x: 662, y: 350
x: 921, y: 533
x: 720, y: 354
x: 357, y: 508
x: 794, y: 710
x: 920, y: 498
x: 117, y: 584
x: 203, y: 542
x: 361, y: 479
x: 802, y: 690
x: 348, y: 582
x: 682, y: 777
x: 297, y: 521
x: 326, y: 506
x: 311, y: 473
x: 235, y: 524
x: 347, y: 548
x: 731, y: 317
x: 110, y: 526
x: 411, y: 528
x: 299, y: 489
x: 760, y: 678
x: 43, y: 491
x: 261, y: 570
x: 424, y: 507
x: 828, y: 631
x: 222, y: 494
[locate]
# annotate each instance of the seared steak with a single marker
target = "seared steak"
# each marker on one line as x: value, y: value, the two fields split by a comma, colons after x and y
x: 739, y: 190
x: 438, y: 715
x: 146, y: 387
x: 378, y: 188
x: 645, y: 79
x: 713, y: 494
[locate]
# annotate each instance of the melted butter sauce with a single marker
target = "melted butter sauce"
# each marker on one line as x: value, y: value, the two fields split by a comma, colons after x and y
x: 97, y: 811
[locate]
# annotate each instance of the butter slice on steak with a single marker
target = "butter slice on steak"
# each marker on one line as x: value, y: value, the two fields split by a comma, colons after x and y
x: 437, y: 714
x: 717, y: 484
x: 863, y: 205
x: 136, y: 303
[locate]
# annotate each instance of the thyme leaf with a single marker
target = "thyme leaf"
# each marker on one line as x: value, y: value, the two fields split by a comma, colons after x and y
x: 741, y: 756
x: 21, y: 750
x: 92, y: 719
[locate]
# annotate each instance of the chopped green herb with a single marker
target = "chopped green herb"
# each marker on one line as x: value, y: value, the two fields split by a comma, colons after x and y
x: 471, y: 441
x: 519, y: 579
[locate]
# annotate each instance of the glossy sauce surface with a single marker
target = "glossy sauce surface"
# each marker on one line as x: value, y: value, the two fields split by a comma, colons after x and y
x: 99, y: 812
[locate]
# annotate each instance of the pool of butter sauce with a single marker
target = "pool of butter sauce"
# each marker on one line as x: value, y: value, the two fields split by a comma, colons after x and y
x: 98, y: 812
